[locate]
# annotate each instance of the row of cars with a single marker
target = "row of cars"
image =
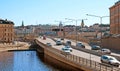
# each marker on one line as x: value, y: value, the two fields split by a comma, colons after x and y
x: 67, y: 48
x: 80, y: 45
x: 101, y: 50
x: 104, y: 58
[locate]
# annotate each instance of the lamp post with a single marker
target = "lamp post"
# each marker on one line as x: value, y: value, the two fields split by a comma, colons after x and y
x: 76, y: 20
x: 101, y: 17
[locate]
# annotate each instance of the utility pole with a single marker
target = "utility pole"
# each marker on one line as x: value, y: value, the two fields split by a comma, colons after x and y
x: 100, y: 17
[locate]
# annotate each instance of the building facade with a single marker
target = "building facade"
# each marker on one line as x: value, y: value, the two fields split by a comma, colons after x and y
x: 6, y: 31
x: 115, y: 18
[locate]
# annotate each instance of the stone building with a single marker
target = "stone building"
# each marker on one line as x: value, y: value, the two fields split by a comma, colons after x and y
x: 6, y: 31
x: 112, y: 40
x: 115, y: 18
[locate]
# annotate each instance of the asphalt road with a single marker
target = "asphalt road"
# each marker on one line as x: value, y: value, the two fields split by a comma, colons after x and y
x: 74, y: 51
x: 87, y: 46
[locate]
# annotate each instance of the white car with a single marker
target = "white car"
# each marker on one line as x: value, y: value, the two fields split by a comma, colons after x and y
x: 58, y: 42
x: 49, y: 44
x: 105, y: 51
x: 110, y: 60
x: 67, y: 51
x: 67, y: 48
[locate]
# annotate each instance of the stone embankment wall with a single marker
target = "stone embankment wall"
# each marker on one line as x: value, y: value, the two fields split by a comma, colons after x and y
x: 111, y: 42
x: 79, y: 38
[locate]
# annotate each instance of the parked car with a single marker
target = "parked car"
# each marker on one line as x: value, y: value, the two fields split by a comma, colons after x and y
x: 49, y: 44
x: 67, y: 47
x: 105, y: 51
x: 68, y: 42
x: 58, y: 42
x: 95, y: 47
x: 110, y: 60
x: 79, y: 44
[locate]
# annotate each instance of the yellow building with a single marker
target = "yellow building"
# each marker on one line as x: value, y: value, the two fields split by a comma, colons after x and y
x: 6, y: 31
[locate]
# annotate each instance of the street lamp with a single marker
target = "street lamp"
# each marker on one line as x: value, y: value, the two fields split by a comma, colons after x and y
x: 101, y: 17
x: 76, y: 20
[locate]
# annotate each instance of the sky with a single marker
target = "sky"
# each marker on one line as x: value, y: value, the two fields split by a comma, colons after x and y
x: 34, y: 12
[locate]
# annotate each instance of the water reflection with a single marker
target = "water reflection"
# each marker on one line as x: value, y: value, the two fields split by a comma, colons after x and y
x: 23, y: 61
x: 6, y: 61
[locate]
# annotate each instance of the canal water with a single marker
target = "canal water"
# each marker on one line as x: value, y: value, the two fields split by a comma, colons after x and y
x: 24, y: 61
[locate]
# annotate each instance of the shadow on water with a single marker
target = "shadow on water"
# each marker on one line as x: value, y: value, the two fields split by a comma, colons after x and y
x: 42, y: 59
x: 56, y: 65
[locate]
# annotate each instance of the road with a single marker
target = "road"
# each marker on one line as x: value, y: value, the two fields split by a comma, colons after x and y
x: 74, y: 51
x: 87, y: 46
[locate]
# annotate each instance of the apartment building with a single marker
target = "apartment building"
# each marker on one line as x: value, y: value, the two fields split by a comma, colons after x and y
x: 6, y: 31
x: 115, y: 18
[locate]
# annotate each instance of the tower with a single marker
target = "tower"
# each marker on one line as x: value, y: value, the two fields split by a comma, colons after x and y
x: 82, y: 23
x: 22, y: 24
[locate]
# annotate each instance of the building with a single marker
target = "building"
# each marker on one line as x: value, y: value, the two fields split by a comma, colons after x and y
x: 112, y: 40
x: 115, y: 18
x: 23, y: 31
x: 6, y: 31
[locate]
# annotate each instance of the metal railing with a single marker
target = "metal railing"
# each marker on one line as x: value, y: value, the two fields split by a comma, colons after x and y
x: 81, y: 61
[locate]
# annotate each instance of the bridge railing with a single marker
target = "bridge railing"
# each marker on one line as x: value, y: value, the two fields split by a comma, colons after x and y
x: 82, y: 61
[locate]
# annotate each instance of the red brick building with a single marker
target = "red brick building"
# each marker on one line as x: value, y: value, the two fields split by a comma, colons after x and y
x: 115, y: 18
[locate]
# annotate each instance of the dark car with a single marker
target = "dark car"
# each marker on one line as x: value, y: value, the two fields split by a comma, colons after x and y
x: 68, y: 42
x: 62, y: 38
x: 79, y: 44
x: 95, y: 47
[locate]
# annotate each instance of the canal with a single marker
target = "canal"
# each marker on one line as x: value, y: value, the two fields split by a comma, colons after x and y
x: 24, y: 61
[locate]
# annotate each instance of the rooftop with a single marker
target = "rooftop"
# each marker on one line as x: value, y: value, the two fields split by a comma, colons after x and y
x: 117, y: 2
x: 5, y: 21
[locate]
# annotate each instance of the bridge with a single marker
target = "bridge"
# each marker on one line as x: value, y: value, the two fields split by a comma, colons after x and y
x: 77, y: 59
